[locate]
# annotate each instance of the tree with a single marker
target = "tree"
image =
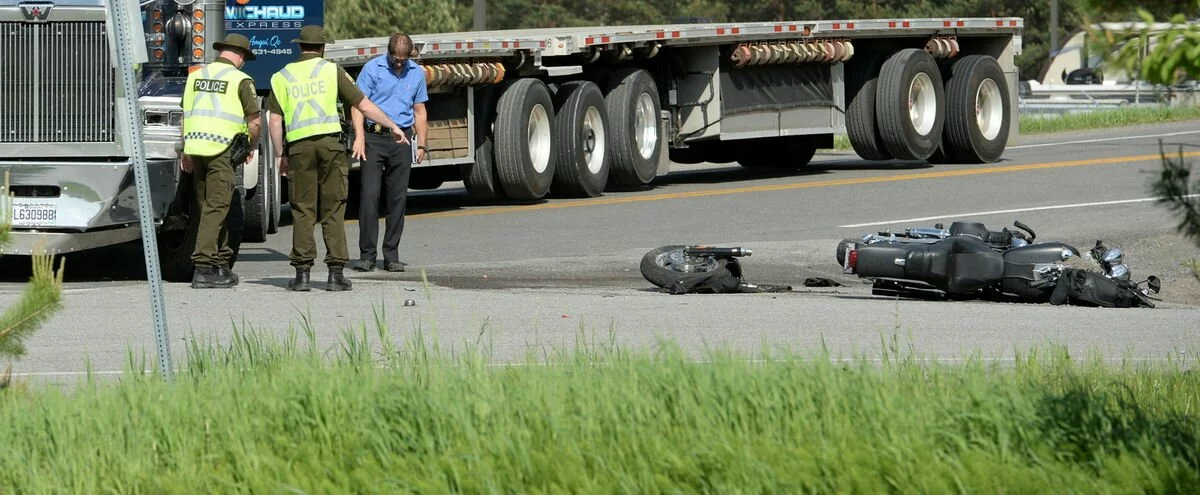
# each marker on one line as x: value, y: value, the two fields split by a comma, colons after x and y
x: 41, y: 299
x: 378, y: 18
x: 1165, y: 55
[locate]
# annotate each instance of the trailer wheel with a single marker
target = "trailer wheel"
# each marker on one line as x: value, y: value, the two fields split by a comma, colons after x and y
x: 861, y: 127
x: 480, y: 178
x: 524, y: 143
x: 910, y: 107
x: 978, y: 113
x: 633, y: 108
x: 580, y: 132
x: 260, y: 201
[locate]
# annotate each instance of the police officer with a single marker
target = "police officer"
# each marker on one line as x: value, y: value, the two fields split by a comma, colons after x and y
x: 305, y: 93
x: 219, y: 108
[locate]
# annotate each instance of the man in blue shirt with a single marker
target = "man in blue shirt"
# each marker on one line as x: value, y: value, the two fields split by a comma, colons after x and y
x: 397, y: 85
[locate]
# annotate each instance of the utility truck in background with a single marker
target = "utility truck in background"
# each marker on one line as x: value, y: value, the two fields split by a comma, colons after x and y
x: 516, y: 114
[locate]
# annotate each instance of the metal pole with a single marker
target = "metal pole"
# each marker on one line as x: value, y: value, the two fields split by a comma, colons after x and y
x: 120, y: 16
x: 1054, y: 28
x: 480, y: 15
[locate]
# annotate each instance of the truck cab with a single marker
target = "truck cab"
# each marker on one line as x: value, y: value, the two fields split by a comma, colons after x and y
x: 65, y: 146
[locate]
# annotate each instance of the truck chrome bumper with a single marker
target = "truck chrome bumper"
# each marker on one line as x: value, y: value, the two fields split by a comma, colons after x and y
x: 29, y: 242
x: 78, y: 197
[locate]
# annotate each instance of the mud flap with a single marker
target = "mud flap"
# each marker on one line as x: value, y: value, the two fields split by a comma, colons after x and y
x: 1087, y: 288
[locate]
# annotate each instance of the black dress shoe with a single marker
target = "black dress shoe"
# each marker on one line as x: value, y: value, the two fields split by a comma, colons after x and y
x: 338, y: 280
x: 395, y: 266
x: 300, y: 283
x: 363, y: 265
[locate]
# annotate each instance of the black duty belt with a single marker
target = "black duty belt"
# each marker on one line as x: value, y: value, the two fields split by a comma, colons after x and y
x: 373, y: 128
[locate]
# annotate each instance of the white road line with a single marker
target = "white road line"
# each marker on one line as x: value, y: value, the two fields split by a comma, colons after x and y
x: 1015, y: 210
x: 1101, y: 140
x: 67, y: 373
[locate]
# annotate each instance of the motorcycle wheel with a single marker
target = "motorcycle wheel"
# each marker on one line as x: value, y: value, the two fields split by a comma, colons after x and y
x: 666, y: 265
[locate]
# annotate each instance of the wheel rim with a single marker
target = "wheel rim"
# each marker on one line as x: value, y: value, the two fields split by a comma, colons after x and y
x: 593, y: 140
x: 539, y: 138
x: 922, y: 103
x: 645, y: 130
x: 676, y: 260
x: 989, y: 109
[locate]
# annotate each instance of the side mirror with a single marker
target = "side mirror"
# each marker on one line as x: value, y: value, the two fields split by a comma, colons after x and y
x: 1154, y: 283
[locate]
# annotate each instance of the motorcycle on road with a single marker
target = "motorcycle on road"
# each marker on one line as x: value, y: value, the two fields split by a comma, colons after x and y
x: 970, y: 267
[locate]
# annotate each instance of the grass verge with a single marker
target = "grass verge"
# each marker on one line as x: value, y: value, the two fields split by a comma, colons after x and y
x: 275, y: 416
x: 1100, y: 119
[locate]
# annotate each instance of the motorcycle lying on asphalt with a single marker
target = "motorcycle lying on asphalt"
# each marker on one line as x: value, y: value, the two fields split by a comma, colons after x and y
x: 971, y: 265
x: 999, y: 240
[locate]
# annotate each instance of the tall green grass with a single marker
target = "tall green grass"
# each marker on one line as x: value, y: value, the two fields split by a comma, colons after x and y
x: 267, y: 415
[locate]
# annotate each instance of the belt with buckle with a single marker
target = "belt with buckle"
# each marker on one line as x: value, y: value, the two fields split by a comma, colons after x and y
x: 379, y: 129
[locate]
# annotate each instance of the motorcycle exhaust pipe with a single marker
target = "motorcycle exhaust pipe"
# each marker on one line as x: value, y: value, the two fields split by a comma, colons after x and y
x: 716, y: 251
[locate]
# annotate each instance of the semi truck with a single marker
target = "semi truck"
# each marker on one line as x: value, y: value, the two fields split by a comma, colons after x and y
x: 516, y: 115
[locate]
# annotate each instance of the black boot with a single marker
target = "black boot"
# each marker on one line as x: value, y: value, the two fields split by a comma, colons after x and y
x: 337, y: 279
x: 300, y: 283
x: 211, y: 277
x: 225, y: 272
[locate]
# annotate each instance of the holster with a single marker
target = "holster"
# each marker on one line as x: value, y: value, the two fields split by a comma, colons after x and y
x: 239, y: 149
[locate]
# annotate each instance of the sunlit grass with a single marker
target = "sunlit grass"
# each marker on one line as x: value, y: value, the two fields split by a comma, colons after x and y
x: 262, y: 414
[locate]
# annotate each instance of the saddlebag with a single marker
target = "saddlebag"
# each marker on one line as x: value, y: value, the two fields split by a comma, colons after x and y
x: 1087, y: 288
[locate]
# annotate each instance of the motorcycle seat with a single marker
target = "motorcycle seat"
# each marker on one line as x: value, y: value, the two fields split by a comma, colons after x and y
x: 956, y: 265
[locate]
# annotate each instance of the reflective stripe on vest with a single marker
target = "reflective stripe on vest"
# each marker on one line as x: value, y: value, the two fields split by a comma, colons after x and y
x: 212, y: 110
x: 309, y: 104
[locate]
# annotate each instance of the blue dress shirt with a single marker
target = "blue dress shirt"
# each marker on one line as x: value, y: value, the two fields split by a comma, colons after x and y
x: 394, y: 93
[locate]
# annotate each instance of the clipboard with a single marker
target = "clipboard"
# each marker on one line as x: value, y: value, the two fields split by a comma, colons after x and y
x: 412, y: 148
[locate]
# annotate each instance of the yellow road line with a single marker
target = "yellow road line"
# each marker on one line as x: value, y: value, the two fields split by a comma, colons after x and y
x: 613, y: 200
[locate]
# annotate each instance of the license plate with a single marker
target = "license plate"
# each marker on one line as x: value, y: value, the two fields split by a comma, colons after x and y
x: 34, y: 212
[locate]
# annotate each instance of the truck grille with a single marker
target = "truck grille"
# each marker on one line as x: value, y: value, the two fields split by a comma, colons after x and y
x: 56, y: 83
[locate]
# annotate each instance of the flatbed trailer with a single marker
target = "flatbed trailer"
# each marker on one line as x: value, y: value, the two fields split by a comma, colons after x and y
x: 515, y: 114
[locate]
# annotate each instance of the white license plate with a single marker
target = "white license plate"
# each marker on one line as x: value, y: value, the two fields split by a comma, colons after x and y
x: 34, y: 212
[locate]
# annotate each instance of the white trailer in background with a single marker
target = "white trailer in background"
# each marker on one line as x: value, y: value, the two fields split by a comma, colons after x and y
x: 523, y: 114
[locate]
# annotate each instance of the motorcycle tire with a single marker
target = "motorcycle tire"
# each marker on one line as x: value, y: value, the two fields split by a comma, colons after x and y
x: 714, y: 275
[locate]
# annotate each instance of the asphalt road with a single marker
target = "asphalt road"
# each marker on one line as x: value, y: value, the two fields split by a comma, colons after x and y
x: 525, y: 278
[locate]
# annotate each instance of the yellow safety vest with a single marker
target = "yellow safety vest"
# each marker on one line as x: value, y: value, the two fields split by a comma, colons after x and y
x: 307, y: 95
x: 212, y: 109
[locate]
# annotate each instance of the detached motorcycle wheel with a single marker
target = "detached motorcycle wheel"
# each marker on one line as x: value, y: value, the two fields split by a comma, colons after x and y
x: 666, y: 266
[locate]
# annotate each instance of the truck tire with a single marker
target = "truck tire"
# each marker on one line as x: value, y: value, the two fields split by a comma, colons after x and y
x: 480, y: 178
x: 910, y: 104
x: 524, y: 140
x: 259, y: 200
x: 633, y: 137
x: 580, y: 134
x: 978, y: 112
x: 175, y: 247
x: 861, y: 127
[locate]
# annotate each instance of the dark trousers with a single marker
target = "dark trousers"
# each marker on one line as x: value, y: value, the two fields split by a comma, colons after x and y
x: 388, y: 164
x: 318, y: 170
x: 213, y: 182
